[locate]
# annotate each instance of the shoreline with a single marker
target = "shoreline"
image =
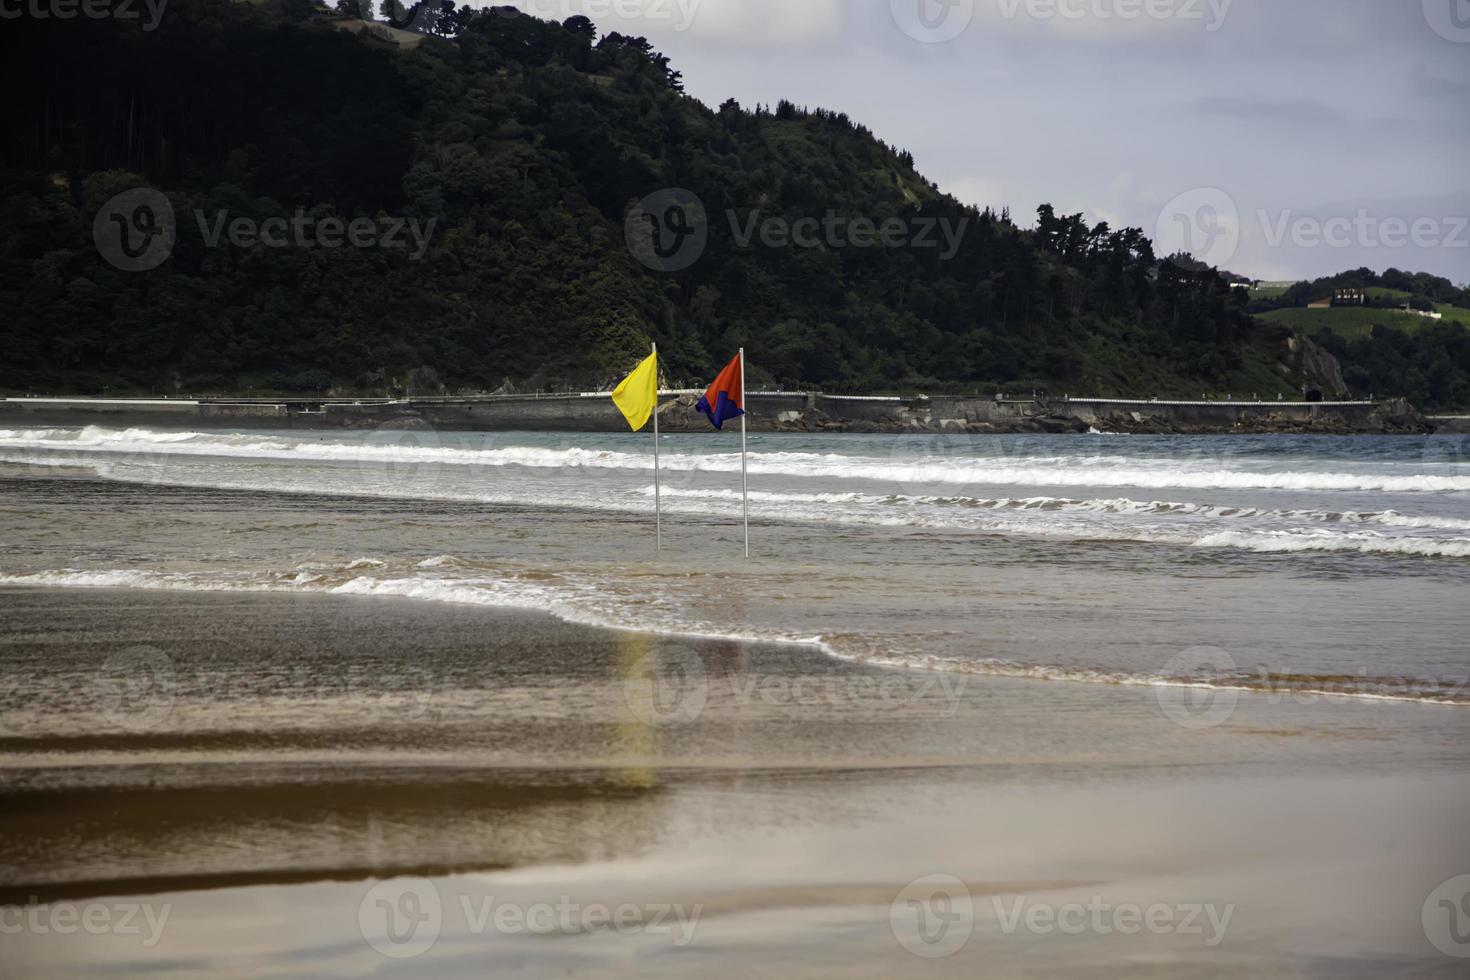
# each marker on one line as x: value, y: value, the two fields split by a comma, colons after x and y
x: 779, y: 412
x: 1268, y: 688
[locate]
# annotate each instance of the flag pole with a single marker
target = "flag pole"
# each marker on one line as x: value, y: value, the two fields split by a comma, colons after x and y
x: 744, y: 474
x: 658, y: 504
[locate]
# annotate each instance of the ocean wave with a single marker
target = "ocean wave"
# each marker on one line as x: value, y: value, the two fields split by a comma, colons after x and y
x: 1120, y: 505
x: 425, y: 448
x: 1063, y: 519
x: 578, y: 603
x: 1275, y: 686
x: 1267, y: 542
x: 1151, y: 479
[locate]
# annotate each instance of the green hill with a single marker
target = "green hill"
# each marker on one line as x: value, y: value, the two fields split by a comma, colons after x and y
x: 1383, y: 293
x: 1349, y: 322
x: 527, y: 143
x: 1269, y: 290
x: 522, y: 149
x: 1384, y: 349
x: 1454, y: 314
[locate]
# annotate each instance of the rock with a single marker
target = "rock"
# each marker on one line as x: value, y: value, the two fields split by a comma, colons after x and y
x: 1061, y: 424
x: 1321, y: 369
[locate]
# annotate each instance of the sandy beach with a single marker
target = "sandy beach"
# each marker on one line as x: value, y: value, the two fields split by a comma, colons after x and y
x: 778, y: 801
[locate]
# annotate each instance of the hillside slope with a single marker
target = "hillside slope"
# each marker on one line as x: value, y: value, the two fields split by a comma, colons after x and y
x: 519, y: 148
x: 1383, y: 348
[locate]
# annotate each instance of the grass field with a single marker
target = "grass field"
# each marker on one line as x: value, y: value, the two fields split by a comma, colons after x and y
x: 1348, y: 322
x: 1457, y: 314
x: 1382, y: 292
x: 1271, y: 290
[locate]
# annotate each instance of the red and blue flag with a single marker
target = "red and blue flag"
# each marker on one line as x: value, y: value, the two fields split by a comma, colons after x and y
x: 725, y: 399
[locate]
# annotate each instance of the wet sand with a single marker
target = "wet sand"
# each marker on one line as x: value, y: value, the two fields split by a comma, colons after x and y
x: 272, y: 769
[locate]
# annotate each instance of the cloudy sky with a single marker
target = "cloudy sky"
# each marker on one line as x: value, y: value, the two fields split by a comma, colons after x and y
x: 1278, y: 138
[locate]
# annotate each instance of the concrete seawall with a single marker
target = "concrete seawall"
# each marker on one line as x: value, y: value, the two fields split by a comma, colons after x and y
x: 770, y: 411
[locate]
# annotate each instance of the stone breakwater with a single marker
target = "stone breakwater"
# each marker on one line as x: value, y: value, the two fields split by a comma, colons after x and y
x: 770, y: 412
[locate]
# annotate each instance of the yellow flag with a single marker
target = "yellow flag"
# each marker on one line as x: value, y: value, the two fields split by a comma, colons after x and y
x: 637, y: 396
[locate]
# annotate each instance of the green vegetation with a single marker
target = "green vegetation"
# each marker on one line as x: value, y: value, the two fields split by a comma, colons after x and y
x: 526, y: 143
x: 1383, y: 348
x: 1453, y: 314
x: 1388, y: 291
x: 1382, y: 293
x: 1268, y: 292
x: 1351, y: 322
x: 1431, y: 367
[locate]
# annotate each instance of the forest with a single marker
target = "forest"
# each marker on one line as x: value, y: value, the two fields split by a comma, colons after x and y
x: 524, y: 146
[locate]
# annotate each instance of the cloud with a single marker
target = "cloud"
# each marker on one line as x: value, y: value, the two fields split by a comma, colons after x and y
x: 1101, y: 20
x: 980, y: 192
x: 1427, y: 83
x: 1299, y: 112
x: 765, y: 23
x: 1283, y: 106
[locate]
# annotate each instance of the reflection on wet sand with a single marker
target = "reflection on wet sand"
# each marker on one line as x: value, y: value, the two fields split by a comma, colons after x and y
x: 82, y: 842
x: 636, y: 737
x: 299, y: 751
x: 202, y: 783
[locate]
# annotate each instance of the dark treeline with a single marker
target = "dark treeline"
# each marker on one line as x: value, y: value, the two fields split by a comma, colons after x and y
x: 526, y: 142
x: 1430, y: 367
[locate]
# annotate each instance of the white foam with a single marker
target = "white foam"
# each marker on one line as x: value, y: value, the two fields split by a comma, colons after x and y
x: 424, y: 448
x: 1275, y: 688
x: 571, y: 604
x: 1040, y: 517
x: 138, y: 579
x: 585, y: 604
x: 1298, y: 541
x: 1119, y: 505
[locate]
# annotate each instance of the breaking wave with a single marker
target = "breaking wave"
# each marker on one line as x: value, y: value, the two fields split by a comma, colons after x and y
x: 959, y: 468
x: 590, y: 603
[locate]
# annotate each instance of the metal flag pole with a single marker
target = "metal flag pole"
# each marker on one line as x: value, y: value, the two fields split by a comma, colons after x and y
x: 658, y: 504
x: 744, y: 474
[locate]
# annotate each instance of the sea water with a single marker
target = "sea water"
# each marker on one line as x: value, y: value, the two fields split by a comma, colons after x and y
x: 1287, y: 564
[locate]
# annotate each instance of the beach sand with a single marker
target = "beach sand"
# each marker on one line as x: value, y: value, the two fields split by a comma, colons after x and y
x: 325, y: 785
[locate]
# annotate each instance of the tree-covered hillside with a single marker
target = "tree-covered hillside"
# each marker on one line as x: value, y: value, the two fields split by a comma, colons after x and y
x: 520, y: 147
x: 1384, y: 344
